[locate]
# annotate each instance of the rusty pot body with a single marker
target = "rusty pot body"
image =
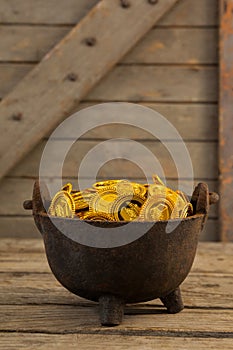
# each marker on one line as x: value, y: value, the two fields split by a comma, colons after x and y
x: 151, y: 266
x: 148, y: 268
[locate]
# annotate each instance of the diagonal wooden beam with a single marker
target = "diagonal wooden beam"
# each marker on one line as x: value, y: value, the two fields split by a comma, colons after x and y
x: 68, y: 72
x: 226, y: 120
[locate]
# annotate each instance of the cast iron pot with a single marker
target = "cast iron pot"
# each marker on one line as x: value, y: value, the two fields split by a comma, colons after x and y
x: 152, y: 266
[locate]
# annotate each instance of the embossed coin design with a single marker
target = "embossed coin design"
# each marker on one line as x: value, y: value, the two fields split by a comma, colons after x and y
x: 126, y: 207
x: 101, y: 201
x: 62, y: 205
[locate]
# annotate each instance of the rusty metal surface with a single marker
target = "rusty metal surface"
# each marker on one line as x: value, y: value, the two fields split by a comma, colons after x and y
x: 150, y: 267
x: 226, y: 120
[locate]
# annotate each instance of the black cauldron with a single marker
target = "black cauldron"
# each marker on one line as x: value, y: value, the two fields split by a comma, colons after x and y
x: 152, y: 266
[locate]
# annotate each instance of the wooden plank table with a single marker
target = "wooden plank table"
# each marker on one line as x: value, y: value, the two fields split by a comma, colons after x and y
x: 37, y: 313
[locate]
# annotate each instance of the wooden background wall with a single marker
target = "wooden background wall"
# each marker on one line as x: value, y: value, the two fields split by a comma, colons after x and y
x: 173, y: 70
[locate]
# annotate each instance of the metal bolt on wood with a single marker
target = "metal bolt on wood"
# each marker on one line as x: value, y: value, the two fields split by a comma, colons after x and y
x: 129, y: 30
x: 125, y: 4
x: 17, y: 116
x: 72, y: 77
x: 90, y: 41
x: 153, y: 2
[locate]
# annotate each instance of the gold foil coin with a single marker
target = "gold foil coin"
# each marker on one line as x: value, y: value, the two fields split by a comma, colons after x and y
x: 126, y: 207
x: 157, y: 208
x: 156, y: 179
x: 155, y: 190
x: 82, y: 199
x: 67, y: 187
x: 102, y: 184
x: 101, y: 201
x: 97, y: 217
x: 183, y: 196
x: 187, y: 210
x: 121, y: 200
x: 62, y: 205
x: 124, y: 187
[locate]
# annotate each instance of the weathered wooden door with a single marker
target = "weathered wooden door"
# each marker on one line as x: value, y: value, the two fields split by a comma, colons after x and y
x: 173, y: 69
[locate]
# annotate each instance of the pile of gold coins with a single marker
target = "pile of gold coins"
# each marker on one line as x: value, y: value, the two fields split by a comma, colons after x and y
x: 121, y: 200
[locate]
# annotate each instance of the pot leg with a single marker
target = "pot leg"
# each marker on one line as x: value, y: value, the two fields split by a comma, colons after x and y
x: 111, y: 310
x: 173, y: 301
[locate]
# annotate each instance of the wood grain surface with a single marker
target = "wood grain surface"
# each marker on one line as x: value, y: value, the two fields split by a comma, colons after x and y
x: 132, y: 83
x: 25, y: 43
x: 194, y: 122
x: 201, y: 155
x: 38, y: 312
x: 115, y: 342
x: 59, y: 93
x: 204, y: 12
x: 179, y: 53
x: 146, y: 83
x: 118, y: 342
x: 225, y: 120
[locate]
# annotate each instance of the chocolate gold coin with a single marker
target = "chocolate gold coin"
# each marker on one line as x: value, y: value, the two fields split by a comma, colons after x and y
x: 101, y: 201
x: 181, y: 208
x: 121, y: 200
x: 82, y: 199
x: 98, y: 217
x: 157, y: 208
x: 126, y: 207
x: 155, y: 190
x: 102, y: 184
x: 186, y: 211
x: 62, y: 205
x: 124, y: 187
x: 67, y: 187
x: 157, y: 180
x: 183, y: 196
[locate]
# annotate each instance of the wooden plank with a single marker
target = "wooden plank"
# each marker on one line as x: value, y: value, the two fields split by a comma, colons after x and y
x: 14, y: 226
x: 191, y: 83
x: 194, y: 122
x: 210, y: 231
x: 115, y: 342
x: 34, y: 288
x: 70, y: 341
x: 11, y: 74
x: 160, y: 45
x: 199, y: 290
x: 201, y: 154
x: 225, y: 120
x: 37, y: 263
x: 161, y: 84
x: 214, y: 257
x: 204, y: 12
x: 28, y: 43
x: 67, y: 318
x: 173, y: 46
x: 21, y: 245
x: 58, y: 94
x: 18, y: 227
x: 44, y: 11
